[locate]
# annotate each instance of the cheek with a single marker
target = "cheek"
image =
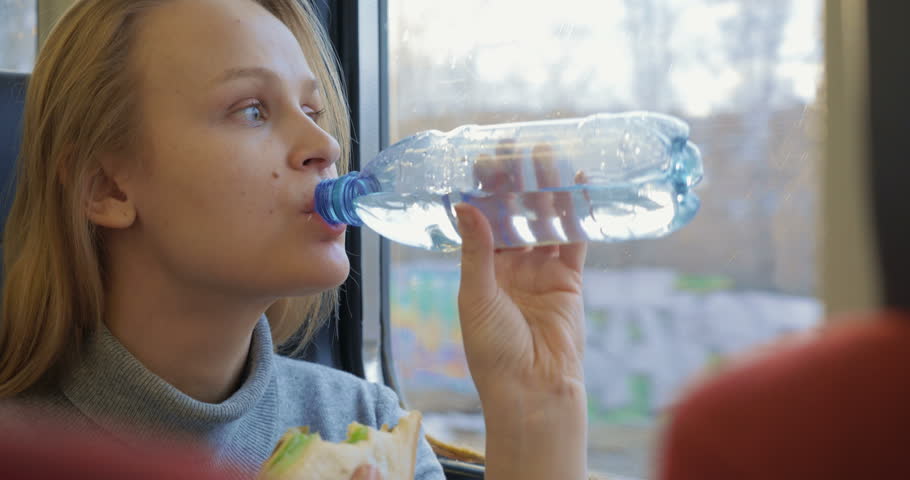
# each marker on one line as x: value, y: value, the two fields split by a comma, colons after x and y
x: 230, y: 193
x: 254, y: 178
x: 227, y: 178
x: 210, y: 216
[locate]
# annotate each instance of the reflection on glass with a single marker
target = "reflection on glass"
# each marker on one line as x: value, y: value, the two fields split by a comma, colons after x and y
x: 743, y: 74
x: 18, y: 27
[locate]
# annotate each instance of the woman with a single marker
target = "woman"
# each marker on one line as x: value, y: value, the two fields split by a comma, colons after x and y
x: 163, y: 235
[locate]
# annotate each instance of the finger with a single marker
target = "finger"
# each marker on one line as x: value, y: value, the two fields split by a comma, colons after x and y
x: 508, y: 250
x: 366, y: 472
x: 546, y: 221
x: 546, y: 251
x: 573, y: 255
x: 500, y: 175
x: 478, y: 278
x: 581, y: 178
x: 488, y: 175
x: 509, y: 161
x: 545, y: 168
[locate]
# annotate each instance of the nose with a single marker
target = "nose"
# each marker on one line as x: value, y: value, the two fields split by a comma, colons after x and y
x: 314, y: 148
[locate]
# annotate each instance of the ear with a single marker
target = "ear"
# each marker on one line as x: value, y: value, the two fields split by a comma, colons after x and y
x: 108, y: 205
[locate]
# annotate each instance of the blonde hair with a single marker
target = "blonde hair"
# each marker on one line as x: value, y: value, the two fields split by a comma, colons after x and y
x: 80, y: 105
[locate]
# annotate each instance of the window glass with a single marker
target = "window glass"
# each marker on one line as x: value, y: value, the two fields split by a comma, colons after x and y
x: 18, y: 27
x: 743, y: 74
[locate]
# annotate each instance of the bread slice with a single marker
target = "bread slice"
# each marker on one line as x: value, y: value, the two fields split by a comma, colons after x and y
x: 301, y: 455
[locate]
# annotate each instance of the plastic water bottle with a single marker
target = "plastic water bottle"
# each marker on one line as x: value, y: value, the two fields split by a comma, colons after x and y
x: 606, y: 177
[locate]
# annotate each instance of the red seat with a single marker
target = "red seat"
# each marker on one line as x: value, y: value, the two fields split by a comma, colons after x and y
x: 837, y: 407
x: 49, y: 454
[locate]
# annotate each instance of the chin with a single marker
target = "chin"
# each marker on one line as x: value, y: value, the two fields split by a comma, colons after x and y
x: 309, y: 271
x: 339, y: 279
x: 326, y: 274
x: 304, y: 286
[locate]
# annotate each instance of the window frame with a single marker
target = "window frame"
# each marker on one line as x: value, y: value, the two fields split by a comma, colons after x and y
x: 354, y: 30
x: 358, y: 32
x: 887, y: 144
x: 369, y: 97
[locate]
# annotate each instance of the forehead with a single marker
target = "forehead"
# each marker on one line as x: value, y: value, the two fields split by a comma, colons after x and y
x: 192, y: 42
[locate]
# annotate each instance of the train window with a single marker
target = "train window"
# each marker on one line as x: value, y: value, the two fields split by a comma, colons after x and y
x: 743, y: 74
x: 18, y: 34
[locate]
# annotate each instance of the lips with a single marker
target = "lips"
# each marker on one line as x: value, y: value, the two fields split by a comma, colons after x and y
x: 309, y: 205
x: 332, y: 230
x: 309, y: 211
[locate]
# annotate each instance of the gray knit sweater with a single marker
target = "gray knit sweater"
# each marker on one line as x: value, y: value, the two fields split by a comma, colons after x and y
x: 110, y: 387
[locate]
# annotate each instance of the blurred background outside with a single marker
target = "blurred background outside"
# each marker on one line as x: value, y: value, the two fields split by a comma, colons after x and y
x: 18, y: 34
x: 744, y: 74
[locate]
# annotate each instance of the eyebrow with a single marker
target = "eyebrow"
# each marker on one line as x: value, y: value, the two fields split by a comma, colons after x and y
x: 238, y: 73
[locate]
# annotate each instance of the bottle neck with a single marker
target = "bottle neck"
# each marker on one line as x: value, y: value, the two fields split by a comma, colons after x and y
x: 335, y: 197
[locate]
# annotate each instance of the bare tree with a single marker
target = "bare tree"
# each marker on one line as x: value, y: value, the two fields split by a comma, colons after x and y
x: 756, y: 36
x: 650, y: 24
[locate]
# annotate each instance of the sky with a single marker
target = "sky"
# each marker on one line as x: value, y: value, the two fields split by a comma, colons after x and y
x: 524, y: 38
x: 514, y: 44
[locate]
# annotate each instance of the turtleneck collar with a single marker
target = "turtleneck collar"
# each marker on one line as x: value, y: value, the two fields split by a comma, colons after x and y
x: 112, y: 388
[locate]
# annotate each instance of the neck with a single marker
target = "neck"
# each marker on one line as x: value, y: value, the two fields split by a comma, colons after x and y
x: 195, y: 339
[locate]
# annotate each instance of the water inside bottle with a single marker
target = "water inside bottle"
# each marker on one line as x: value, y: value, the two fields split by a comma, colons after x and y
x: 575, y: 213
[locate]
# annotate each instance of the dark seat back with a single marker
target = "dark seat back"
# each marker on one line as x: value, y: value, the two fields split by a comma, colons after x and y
x: 12, y: 101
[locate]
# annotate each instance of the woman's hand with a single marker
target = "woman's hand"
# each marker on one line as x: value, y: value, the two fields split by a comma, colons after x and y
x: 521, y: 311
x: 366, y: 472
x: 522, y: 320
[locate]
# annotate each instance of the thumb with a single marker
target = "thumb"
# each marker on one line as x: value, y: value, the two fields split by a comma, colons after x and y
x: 366, y: 472
x: 478, y: 277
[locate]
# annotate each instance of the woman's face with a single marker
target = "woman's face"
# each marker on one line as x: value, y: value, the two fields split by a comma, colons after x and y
x: 230, y: 153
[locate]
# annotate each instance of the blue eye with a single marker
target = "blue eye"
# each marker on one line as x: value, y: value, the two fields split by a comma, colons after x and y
x: 253, y: 114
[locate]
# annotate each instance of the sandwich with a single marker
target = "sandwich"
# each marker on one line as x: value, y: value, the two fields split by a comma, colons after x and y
x: 301, y: 455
